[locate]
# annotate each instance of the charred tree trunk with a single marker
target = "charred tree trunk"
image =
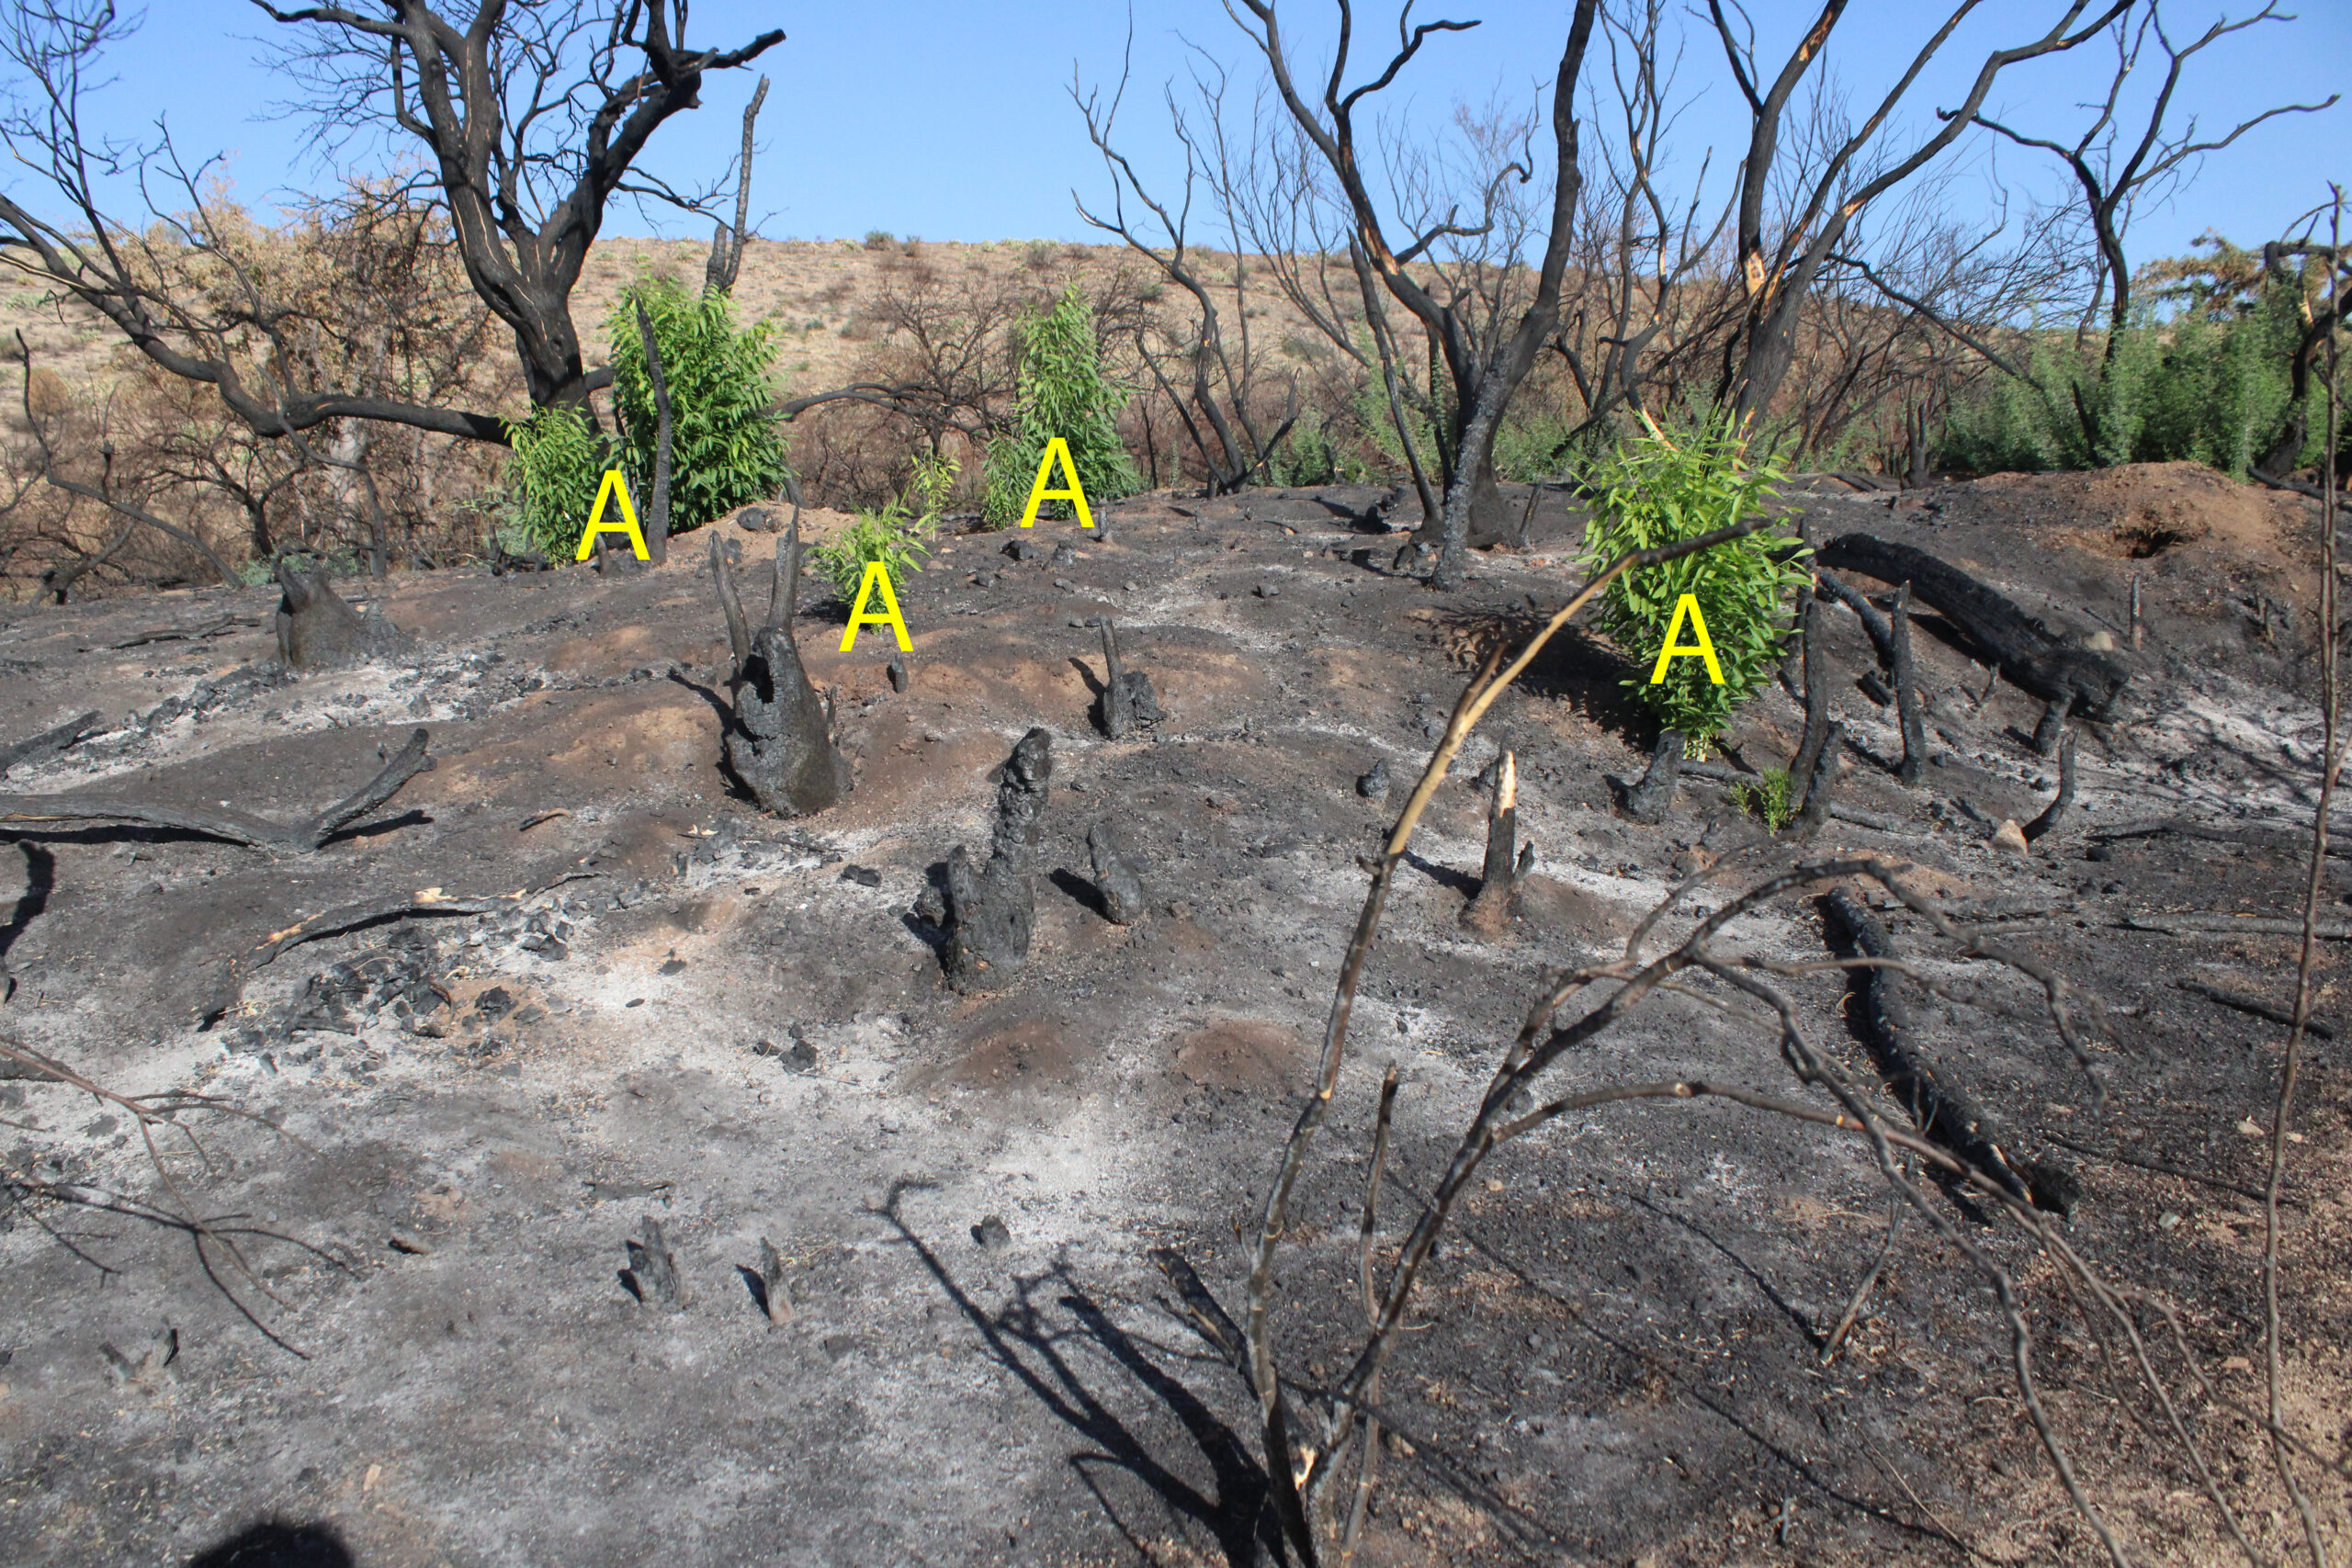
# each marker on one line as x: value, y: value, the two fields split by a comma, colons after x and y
x: 2022, y: 648
x: 2054, y: 814
x: 1127, y: 697
x: 657, y: 512
x: 781, y: 745
x: 1820, y: 780
x: 991, y: 905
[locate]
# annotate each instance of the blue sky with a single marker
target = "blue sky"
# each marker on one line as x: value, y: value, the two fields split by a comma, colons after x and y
x: 953, y: 122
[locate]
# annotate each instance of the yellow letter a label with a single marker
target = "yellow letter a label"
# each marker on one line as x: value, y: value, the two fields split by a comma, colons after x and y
x: 1075, y: 495
x: 614, y: 486
x: 1687, y: 605
x: 876, y: 576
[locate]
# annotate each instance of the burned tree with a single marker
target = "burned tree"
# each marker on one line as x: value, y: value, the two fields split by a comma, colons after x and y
x: 781, y: 744
x: 1485, y: 354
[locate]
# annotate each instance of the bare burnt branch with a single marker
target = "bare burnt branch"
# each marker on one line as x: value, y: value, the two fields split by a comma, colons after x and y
x: 49, y: 743
x: 2054, y: 816
x: 235, y: 827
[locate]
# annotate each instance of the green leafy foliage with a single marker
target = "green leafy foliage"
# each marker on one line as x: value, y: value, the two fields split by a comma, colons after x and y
x: 1771, y: 797
x: 1064, y: 393
x: 898, y: 533
x: 724, y: 448
x: 1661, y: 490
x: 559, y: 462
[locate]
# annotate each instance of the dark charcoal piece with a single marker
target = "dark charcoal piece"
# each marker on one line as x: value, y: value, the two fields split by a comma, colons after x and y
x: 865, y: 876
x: 49, y: 743
x: 1115, y: 877
x: 2026, y: 651
x: 1820, y: 783
x: 1373, y: 785
x: 317, y: 630
x: 782, y: 744
x: 2047, y: 734
x: 896, y: 670
x: 1941, y: 1110
x: 772, y: 1299
x: 757, y: 520
x: 1652, y: 798
x: 652, y: 1272
x: 1127, y: 697
x: 991, y: 1234
x: 991, y: 905
x: 1024, y: 549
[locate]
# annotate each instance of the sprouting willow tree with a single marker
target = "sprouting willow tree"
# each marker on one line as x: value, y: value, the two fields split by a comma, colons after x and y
x: 724, y: 450
x: 1660, y: 492
x: 1063, y: 393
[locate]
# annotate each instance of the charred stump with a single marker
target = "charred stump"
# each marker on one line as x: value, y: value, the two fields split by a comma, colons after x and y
x: 2054, y: 814
x: 1127, y: 697
x: 2021, y: 647
x: 1116, y: 880
x: 1490, y: 912
x: 317, y: 629
x: 1820, y: 781
x: 1650, y: 799
x: 1906, y: 689
x: 781, y: 745
x: 2053, y: 727
x: 1816, y: 692
x: 991, y: 904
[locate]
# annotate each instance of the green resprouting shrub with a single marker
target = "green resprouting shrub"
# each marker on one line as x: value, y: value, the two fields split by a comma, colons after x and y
x: 724, y: 448
x: 1771, y: 797
x: 559, y: 462
x: 897, y: 534
x: 1660, y: 490
x: 1064, y: 393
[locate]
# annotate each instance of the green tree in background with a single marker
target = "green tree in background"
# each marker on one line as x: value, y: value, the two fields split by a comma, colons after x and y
x: 1064, y: 393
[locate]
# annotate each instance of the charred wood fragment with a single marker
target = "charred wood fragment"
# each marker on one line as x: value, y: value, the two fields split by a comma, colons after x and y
x: 1490, y: 912
x: 781, y: 745
x: 991, y: 904
x: 49, y: 743
x: 1127, y: 697
x: 2054, y: 814
x: 2022, y: 648
x: 236, y: 827
x: 1938, y: 1106
x: 317, y: 629
x: 1652, y: 798
x: 1115, y: 875
x: 1879, y: 629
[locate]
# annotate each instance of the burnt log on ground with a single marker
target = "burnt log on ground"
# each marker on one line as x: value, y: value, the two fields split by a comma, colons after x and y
x: 1490, y: 912
x: 1127, y: 697
x: 2022, y: 648
x: 49, y: 743
x: 1938, y: 1106
x: 781, y: 745
x: 317, y: 629
x: 236, y: 827
x: 991, y: 905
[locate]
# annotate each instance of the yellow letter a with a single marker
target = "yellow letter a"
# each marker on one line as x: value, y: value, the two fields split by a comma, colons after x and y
x: 1687, y: 605
x: 613, y: 485
x: 1075, y: 495
x: 876, y: 576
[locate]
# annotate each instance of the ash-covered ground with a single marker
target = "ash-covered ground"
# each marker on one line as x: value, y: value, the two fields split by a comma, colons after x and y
x: 735, y: 1026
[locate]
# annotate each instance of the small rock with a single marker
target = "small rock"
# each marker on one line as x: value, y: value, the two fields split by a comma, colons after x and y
x: 865, y: 876
x: 1131, y: 586
x: 1267, y: 590
x: 1023, y: 549
x: 2010, y: 837
x: 984, y: 580
x: 1066, y: 585
x: 1373, y: 785
x: 675, y: 965
x: 803, y: 1056
x: 495, y: 1003
x: 991, y: 1234
x: 1063, y: 553
x: 838, y: 1346
x: 2101, y: 641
